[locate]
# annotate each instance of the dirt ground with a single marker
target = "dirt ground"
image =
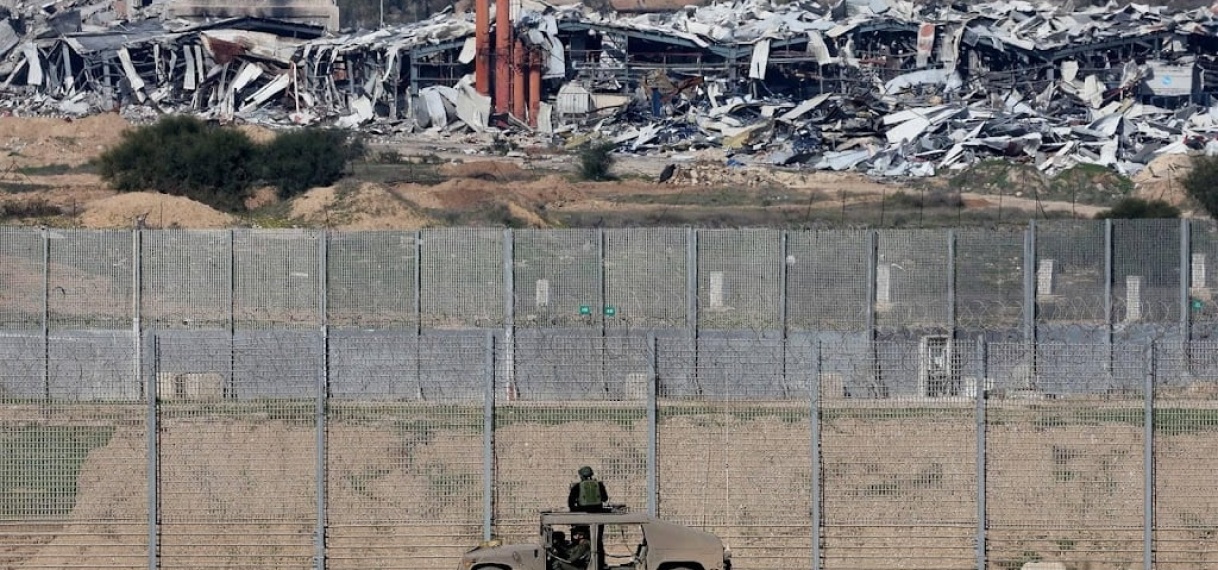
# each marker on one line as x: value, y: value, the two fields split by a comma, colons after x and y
x: 46, y: 179
x: 405, y: 486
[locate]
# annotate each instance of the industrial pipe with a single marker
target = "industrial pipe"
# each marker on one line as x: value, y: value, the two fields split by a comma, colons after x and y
x: 482, y: 41
x: 534, y: 86
x: 503, y: 56
x: 519, y: 103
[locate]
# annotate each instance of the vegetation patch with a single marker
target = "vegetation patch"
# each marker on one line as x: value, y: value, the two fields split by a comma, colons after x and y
x: 219, y: 166
x: 42, y: 464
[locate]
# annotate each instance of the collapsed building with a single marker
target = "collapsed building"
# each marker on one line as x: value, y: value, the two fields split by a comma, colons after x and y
x: 884, y: 86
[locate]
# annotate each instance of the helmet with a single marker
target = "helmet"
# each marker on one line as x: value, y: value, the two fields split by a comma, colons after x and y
x: 585, y: 472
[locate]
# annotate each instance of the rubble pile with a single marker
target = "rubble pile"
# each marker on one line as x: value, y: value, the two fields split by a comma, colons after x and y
x: 882, y: 86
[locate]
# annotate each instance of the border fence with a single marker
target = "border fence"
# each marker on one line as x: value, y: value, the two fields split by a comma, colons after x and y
x: 837, y: 399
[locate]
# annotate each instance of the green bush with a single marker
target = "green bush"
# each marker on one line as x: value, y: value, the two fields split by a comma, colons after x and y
x: 183, y: 156
x: 595, y: 160
x: 1137, y: 208
x: 298, y: 160
x: 1201, y: 183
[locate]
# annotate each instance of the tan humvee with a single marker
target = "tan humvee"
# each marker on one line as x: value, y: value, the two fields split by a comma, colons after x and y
x: 620, y: 541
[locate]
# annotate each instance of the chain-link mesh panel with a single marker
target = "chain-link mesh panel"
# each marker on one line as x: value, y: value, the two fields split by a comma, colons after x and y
x: 738, y: 279
x: 21, y: 278
x: 405, y: 479
x: 186, y: 278
x: 1064, y: 455
x: 371, y: 280
x: 462, y: 277
x: 1203, y: 279
x: 645, y: 277
x: 898, y: 447
x: 911, y: 279
x: 734, y: 452
x: 989, y: 278
x: 1070, y: 272
x: 238, y: 474
x: 276, y: 279
x: 827, y: 280
x: 71, y: 492
x: 1146, y: 271
x: 557, y: 276
x: 90, y: 279
x: 1185, y: 445
x: 568, y: 402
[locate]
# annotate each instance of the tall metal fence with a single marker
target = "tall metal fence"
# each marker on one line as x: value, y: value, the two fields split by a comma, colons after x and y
x: 937, y: 399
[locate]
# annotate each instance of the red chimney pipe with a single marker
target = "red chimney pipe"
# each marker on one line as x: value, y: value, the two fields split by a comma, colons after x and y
x: 519, y: 103
x: 503, y: 56
x: 482, y: 41
x: 535, y: 60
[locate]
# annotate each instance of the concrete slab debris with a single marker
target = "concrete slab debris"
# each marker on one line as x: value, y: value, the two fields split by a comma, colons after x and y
x: 889, y: 87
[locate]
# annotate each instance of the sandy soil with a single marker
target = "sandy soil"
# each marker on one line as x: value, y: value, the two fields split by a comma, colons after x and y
x: 532, y: 187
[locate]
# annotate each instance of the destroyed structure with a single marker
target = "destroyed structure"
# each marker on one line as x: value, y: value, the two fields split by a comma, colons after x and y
x: 881, y: 86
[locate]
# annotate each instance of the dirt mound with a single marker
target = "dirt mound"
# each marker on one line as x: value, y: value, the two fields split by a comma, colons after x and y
x: 369, y: 206
x: 1161, y: 179
x: 486, y: 170
x: 33, y: 141
x: 162, y: 211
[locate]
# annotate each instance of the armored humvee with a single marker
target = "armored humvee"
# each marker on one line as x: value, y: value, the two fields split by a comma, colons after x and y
x: 619, y: 541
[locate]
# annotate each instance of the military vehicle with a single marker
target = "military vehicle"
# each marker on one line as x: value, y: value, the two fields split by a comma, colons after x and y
x: 619, y: 541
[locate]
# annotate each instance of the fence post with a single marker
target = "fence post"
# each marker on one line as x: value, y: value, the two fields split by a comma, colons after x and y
x: 154, y: 459
x: 782, y: 304
x: 46, y: 314
x: 137, y: 286
x: 982, y: 383
x: 509, y: 310
x: 1108, y: 271
x: 691, y: 296
x: 951, y: 285
x: 653, y: 428
x: 488, y: 436
x: 1148, y: 461
x: 1186, y: 272
x: 814, y: 421
x: 323, y: 393
x: 231, y: 389
x: 1029, y: 285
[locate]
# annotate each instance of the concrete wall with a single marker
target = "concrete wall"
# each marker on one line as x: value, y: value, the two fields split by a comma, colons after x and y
x: 323, y: 12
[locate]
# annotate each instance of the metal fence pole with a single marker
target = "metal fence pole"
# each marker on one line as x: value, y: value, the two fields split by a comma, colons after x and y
x: 653, y: 428
x: 232, y: 314
x: 1108, y: 275
x: 982, y: 384
x: 153, y: 462
x: 691, y: 296
x: 1148, y: 461
x: 137, y: 286
x: 814, y: 421
x: 46, y: 314
x: 782, y: 304
x: 1186, y: 271
x: 488, y: 437
x: 951, y: 284
x: 1029, y: 285
x: 323, y: 393
x: 509, y: 310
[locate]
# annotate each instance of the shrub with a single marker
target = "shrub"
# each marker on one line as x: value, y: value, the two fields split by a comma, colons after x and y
x: 595, y: 160
x: 298, y: 160
x: 1201, y: 183
x: 184, y: 156
x: 219, y: 166
x: 1135, y: 208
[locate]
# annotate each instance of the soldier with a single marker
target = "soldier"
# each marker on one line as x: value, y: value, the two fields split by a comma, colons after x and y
x: 579, y: 553
x: 588, y: 495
